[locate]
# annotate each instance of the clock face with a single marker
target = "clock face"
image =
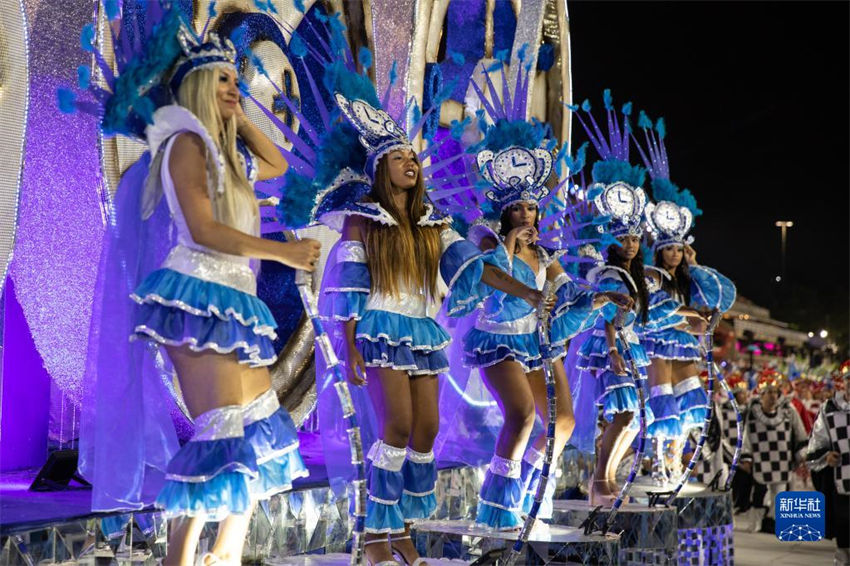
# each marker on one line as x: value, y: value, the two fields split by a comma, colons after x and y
x: 666, y: 216
x: 620, y: 200
x: 375, y: 119
x: 514, y: 165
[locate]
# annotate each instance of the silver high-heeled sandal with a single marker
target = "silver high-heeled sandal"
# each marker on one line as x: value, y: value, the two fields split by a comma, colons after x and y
x: 400, y: 557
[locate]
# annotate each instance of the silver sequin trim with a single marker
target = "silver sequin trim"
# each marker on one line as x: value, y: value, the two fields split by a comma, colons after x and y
x: 534, y: 457
x: 413, y: 305
x: 524, y: 325
x: 659, y: 390
x: 351, y: 250
x: 260, y: 408
x: 216, y: 424
x: 504, y: 467
x: 387, y: 457
x: 420, y: 457
x: 230, y: 271
x: 688, y: 384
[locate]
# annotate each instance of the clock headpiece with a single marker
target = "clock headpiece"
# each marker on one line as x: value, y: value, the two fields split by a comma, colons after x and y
x: 673, y: 217
x: 514, y: 156
x: 622, y: 196
x: 379, y: 133
x: 515, y: 174
x: 625, y: 206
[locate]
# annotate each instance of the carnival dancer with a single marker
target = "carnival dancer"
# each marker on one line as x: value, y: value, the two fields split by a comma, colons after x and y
x: 774, y: 440
x: 602, y: 353
x: 828, y: 458
x: 504, y: 341
x: 384, y: 284
x: 200, y: 305
x: 671, y: 343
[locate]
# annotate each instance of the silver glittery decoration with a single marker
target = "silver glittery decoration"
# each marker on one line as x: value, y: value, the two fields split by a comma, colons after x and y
x: 60, y: 219
x: 528, y: 31
x: 14, y: 98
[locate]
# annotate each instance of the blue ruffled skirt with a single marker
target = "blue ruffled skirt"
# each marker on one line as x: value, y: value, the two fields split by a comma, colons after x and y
x: 593, y: 354
x: 177, y: 309
x: 672, y: 344
x: 484, y: 349
x: 209, y: 478
x: 275, y: 443
x: 500, y: 502
x: 665, y: 421
x: 414, y: 345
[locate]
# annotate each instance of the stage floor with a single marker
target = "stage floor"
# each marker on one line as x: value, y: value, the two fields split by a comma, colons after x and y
x: 23, y: 510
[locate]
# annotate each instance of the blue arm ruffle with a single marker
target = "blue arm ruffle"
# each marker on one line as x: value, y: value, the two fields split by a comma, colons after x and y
x: 612, y: 284
x: 710, y: 289
x: 573, y: 312
x: 461, y: 267
x: 347, y: 292
x: 662, y: 311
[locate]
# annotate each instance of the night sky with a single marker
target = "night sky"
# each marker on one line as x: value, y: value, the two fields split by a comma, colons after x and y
x: 755, y: 96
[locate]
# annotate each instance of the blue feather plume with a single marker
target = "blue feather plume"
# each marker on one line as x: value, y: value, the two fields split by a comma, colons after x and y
x: 365, y: 57
x: 66, y: 99
x: 111, y: 9
x: 506, y: 133
x: 613, y: 170
x: 83, y: 77
x: 87, y: 38
x: 607, y: 99
x: 456, y: 57
x: 661, y: 128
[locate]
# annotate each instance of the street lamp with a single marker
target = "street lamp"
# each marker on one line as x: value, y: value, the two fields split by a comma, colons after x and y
x: 783, y: 225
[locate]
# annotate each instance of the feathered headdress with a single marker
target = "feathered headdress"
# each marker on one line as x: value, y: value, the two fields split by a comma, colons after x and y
x: 672, y: 218
x: 154, y: 51
x: 508, y: 156
x: 622, y: 197
x: 336, y: 149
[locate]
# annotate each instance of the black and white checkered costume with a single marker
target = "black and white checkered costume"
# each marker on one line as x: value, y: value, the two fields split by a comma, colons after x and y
x: 728, y: 424
x: 719, y: 447
x: 832, y: 433
x: 773, y: 442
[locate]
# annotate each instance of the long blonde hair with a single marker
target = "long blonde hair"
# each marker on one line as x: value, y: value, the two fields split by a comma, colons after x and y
x: 406, y: 255
x: 197, y: 93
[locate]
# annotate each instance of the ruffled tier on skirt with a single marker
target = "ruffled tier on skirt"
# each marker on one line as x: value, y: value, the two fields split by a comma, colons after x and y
x: 177, y: 309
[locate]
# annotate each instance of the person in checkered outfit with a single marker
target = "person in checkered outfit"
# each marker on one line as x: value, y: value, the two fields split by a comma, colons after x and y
x: 829, y: 460
x: 742, y: 482
x: 774, y: 440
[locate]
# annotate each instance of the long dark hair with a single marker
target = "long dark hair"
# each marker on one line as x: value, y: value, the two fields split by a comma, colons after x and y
x: 406, y: 254
x: 505, y: 225
x: 680, y: 282
x: 641, y: 294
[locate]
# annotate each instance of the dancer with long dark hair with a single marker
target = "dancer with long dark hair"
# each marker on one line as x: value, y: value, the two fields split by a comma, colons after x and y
x: 395, y: 250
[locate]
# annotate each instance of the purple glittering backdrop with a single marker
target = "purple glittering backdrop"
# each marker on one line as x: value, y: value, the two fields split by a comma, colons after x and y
x: 60, y: 219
